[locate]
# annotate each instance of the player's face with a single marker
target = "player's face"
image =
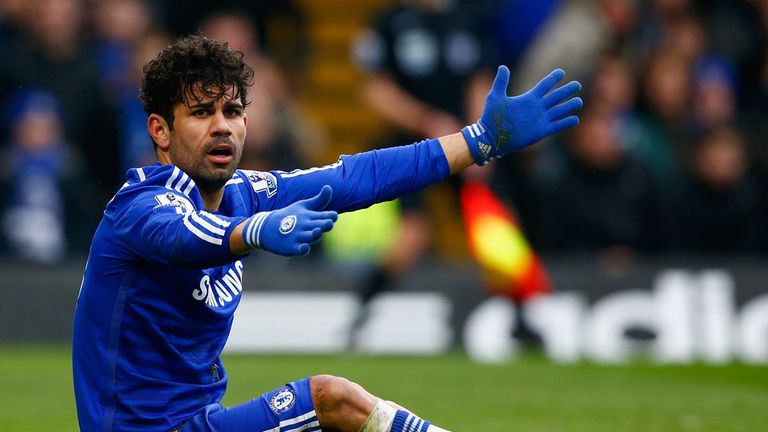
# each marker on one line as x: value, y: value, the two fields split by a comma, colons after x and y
x: 207, y: 138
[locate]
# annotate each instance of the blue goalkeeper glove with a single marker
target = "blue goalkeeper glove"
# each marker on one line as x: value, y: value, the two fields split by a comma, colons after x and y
x: 291, y: 230
x: 512, y: 123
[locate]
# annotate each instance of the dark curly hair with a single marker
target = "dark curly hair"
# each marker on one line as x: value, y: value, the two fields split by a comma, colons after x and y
x: 193, y: 63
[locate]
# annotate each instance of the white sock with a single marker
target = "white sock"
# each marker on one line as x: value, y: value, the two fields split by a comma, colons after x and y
x: 380, y: 419
x: 383, y: 416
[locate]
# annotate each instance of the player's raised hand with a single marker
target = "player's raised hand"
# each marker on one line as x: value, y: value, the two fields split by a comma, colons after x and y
x: 512, y: 123
x: 291, y: 230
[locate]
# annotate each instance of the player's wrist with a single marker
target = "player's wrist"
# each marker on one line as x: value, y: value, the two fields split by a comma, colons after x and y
x: 252, y: 231
x: 480, y: 142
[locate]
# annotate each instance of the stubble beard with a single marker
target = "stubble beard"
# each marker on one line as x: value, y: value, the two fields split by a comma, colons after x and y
x: 207, y: 176
x: 211, y: 180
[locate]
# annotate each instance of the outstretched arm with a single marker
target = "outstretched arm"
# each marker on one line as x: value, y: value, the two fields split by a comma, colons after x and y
x: 507, y: 124
x: 456, y: 152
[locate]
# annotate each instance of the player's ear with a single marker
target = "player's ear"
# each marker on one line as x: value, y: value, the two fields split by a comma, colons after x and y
x: 159, y: 131
x: 245, y: 123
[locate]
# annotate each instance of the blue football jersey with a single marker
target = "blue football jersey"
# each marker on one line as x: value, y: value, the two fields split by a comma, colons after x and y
x: 161, y: 286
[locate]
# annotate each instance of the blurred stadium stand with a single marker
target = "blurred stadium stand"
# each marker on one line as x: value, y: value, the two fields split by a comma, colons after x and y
x: 667, y: 171
x: 332, y: 81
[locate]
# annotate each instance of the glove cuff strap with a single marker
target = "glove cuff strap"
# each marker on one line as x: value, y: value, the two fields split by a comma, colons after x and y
x: 252, y: 229
x: 477, y: 140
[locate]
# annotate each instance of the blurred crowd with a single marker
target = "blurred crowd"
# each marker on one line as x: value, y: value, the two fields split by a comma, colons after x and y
x: 669, y: 156
x: 73, y: 123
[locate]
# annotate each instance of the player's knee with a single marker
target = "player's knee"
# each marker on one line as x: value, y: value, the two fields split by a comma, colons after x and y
x: 330, y: 392
x: 335, y: 396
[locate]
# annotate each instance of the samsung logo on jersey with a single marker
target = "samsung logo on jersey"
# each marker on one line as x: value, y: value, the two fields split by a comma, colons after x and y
x: 220, y: 292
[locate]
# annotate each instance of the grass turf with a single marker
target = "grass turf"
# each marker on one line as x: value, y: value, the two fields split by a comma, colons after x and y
x: 528, y: 394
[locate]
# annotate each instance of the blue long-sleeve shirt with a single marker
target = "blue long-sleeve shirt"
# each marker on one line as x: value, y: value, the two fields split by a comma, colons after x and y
x: 161, y: 285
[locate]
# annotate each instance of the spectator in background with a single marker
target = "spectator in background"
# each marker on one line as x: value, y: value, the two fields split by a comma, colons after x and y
x: 514, y: 24
x: 36, y: 162
x: 612, y: 85
x: 685, y: 38
x: 119, y: 26
x: 722, y: 210
x: 669, y: 26
x: 660, y: 142
x: 417, y: 56
x: 125, y: 41
x: 132, y: 121
x: 52, y: 55
x: 579, y: 34
x: 601, y: 200
x: 428, y: 70
x: 13, y: 17
x: 715, y: 92
x: 279, y: 28
x: 693, y: 65
x: 278, y: 136
x: 611, y: 94
x: 574, y: 37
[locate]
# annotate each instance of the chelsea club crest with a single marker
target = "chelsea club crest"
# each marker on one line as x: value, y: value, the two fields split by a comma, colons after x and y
x: 282, y: 401
x: 287, y: 224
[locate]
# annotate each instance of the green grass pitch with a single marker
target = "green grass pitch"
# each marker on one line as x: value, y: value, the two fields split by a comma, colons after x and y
x: 528, y: 394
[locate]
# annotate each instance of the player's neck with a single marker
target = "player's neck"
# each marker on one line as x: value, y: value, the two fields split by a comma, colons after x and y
x: 211, y: 198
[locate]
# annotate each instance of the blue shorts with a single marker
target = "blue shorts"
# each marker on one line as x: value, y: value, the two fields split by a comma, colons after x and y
x: 285, y: 409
